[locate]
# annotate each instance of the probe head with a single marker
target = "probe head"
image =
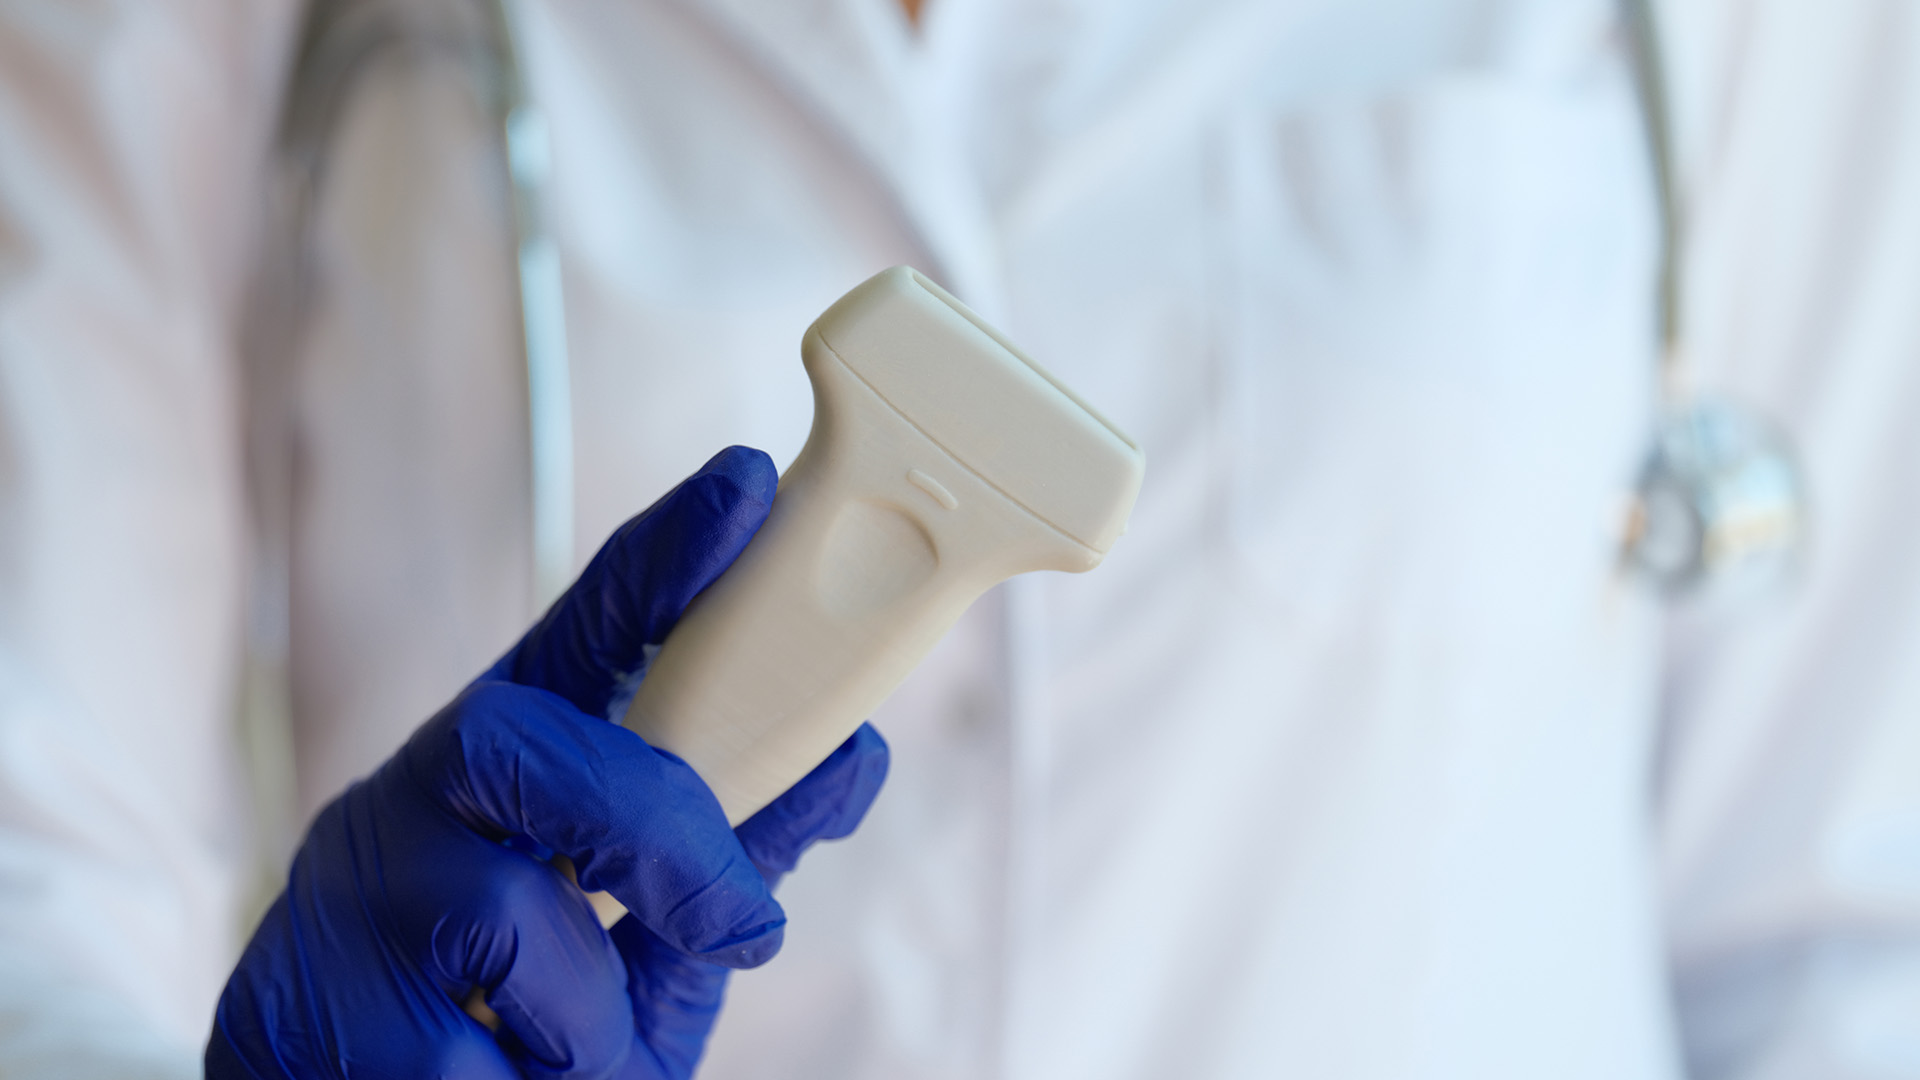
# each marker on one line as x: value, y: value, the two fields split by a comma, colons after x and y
x: 982, y: 400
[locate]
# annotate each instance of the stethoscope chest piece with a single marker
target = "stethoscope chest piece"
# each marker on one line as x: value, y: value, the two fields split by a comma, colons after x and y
x: 1720, y: 501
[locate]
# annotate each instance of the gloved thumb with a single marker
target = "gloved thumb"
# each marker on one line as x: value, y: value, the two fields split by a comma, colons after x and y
x: 826, y: 804
x: 591, y: 647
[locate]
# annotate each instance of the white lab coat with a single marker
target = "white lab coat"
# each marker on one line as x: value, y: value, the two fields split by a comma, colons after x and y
x: 1357, y: 759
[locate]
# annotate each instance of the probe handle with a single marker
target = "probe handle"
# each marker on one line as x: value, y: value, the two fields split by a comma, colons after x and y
x: 877, y: 542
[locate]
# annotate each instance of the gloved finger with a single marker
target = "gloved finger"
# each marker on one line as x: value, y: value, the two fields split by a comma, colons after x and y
x: 513, y: 761
x: 458, y: 1054
x: 674, y: 998
x: 826, y: 804
x: 277, y: 1018
x: 471, y: 912
x: 591, y: 647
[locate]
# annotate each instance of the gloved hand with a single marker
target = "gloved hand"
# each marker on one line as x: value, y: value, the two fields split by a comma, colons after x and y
x: 429, y: 877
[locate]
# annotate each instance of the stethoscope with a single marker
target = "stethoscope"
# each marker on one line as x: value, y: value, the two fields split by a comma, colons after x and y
x: 339, y: 42
x: 1720, y: 502
x: 1719, y: 498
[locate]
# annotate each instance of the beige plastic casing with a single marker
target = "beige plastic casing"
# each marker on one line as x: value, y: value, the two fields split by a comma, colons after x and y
x: 941, y: 462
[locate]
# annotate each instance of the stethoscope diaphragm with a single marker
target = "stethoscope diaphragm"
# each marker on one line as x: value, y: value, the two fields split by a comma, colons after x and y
x: 1720, y: 499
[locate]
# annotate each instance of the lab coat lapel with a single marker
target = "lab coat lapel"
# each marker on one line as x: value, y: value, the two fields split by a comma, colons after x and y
x: 833, y: 57
x: 846, y: 62
x: 1188, y: 75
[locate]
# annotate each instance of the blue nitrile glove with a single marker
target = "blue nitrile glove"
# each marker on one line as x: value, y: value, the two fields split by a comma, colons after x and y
x: 425, y: 879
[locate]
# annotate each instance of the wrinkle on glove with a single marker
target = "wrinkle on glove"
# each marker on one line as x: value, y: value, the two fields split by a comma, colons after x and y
x: 593, y: 644
x: 429, y: 878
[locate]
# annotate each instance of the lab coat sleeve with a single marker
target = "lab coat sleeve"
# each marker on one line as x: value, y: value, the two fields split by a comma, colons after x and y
x: 131, y: 135
x: 1790, y: 790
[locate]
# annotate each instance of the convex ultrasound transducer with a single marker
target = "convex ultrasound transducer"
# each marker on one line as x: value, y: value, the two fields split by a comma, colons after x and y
x: 941, y: 462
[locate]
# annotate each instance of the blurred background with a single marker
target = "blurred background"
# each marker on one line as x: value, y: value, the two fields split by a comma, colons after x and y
x: 1512, y: 668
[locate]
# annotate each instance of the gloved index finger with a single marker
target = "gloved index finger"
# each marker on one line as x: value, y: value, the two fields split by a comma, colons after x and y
x: 591, y: 647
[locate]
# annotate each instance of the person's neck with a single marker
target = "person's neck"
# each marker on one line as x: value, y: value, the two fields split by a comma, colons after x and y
x: 913, y: 8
